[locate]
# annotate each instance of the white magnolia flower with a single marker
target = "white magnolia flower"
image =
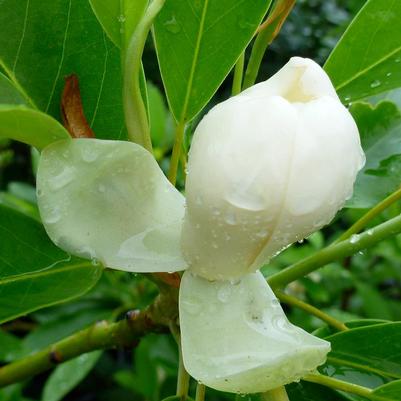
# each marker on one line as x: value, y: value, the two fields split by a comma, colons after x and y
x: 266, y: 168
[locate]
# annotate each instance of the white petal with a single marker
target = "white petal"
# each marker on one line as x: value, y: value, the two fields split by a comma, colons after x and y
x: 266, y: 168
x: 110, y: 201
x: 236, y: 337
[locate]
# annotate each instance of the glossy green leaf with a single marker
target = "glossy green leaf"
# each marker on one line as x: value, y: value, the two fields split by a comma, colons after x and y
x: 360, y: 349
x: 42, y: 41
x: 390, y: 391
x: 380, y: 130
x: 68, y: 375
x: 9, y: 345
x: 30, y: 126
x: 305, y: 391
x: 159, y: 116
x: 198, y: 42
x: 34, y: 273
x: 9, y: 94
x: 367, y: 58
x: 119, y: 17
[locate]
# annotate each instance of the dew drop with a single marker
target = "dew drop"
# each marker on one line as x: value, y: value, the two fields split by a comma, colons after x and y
x: 95, y: 262
x: 375, y: 84
x: 192, y: 306
x: 230, y: 218
x: 62, y: 179
x: 223, y: 294
x: 388, y: 74
x: 89, y: 154
x: 275, y: 302
x: 369, y: 232
x: 172, y: 25
x: 262, y: 233
x: 52, y: 216
x: 354, y: 239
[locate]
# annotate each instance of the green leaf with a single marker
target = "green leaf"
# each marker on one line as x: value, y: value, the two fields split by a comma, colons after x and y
x: 162, y: 136
x: 391, y: 391
x: 370, y: 349
x: 10, y: 345
x: 9, y: 94
x: 68, y: 375
x: 197, y: 43
x: 42, y: 41
x: 34, y: 273
x: 30, y: 126
x: 367, y: 58
x: 305, y: 391
x: 380, y: 130
x: 119, y: 18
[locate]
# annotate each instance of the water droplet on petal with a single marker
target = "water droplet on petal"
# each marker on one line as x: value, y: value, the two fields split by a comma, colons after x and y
x: 63, y: 178
x: 223, y: 294
x: 230, y: 218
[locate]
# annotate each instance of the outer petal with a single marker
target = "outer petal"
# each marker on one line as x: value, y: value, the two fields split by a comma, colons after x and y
x: 267, y: 168
x: 110, y: 201
x: 236, y: 337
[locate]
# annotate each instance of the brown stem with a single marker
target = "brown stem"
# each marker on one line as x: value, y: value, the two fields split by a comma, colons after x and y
x: 72, y: 110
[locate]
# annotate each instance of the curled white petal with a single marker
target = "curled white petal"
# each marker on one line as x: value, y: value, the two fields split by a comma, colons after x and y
x: 109, y: 200
x: 266, y: 168
x: 236, y: 337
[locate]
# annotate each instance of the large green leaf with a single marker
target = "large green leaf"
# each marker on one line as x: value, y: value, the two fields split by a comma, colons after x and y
x: 305, y: 391
x: 9, y: 94
x: 370, y: 349
x: 380, y: 130
x: 367, y: 58
x: 42, y: 41
x: 197, y: 44
x: 34, y: 273
x: 30, y: 126
x: 68, y: 375
x: 391, y: 391
x: 119, y: 17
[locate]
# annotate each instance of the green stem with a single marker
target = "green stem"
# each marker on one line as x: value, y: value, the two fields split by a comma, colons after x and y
x: 336, y: 252
x: 258, y: 50
x: 341, y: 385
x: 238, y: 72
x: 370, y: 215
x: 175, y: 157
x: 200, y: 392
x: 277, y: 394
x: 182, y: 379
x: 136, y: 117
x: 290, y: 300
x: 102, y: 335
x: 269, y: 30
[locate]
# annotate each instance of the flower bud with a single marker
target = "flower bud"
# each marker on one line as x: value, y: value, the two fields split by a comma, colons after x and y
x: 266, y: 168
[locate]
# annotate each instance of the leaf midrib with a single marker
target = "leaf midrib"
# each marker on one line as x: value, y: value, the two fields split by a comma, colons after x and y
x: 44, y: 273
x: 366, y: 368
x: 194, y: 61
